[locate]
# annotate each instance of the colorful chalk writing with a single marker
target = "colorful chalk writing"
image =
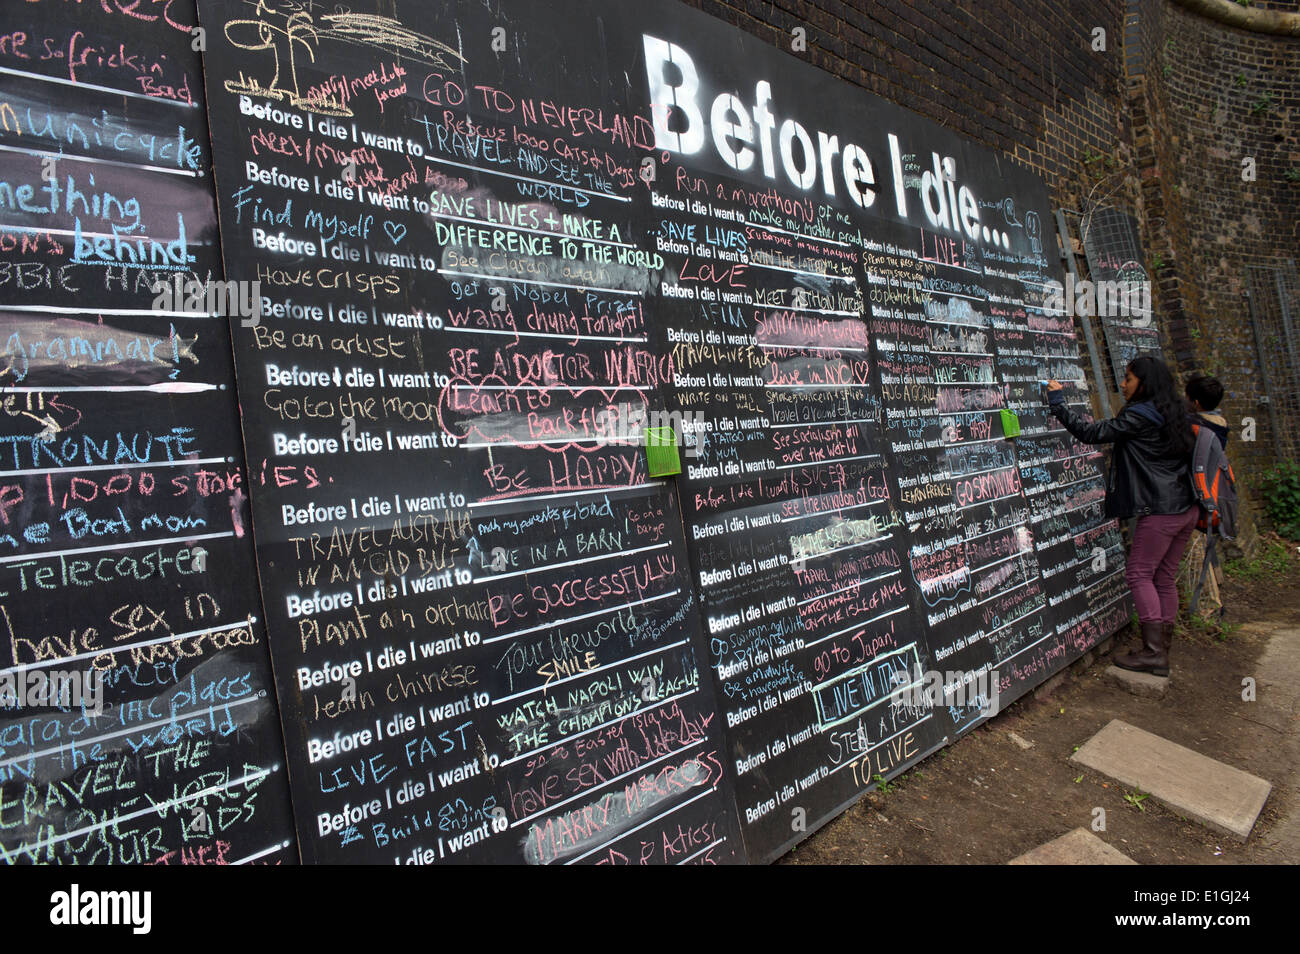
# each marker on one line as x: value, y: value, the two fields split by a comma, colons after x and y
x: 125, y: 547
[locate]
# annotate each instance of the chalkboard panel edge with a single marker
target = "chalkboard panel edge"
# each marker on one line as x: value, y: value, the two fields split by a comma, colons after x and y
x: 220, y: 253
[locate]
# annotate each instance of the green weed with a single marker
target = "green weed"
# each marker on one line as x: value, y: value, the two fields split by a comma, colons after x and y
x: 1281, y: 495
x: 1271, y: 561
x: 1136, y: 798
x: 1202, y: 626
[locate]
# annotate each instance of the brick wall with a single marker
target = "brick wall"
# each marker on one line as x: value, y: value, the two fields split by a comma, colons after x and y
x: 1210, y: 97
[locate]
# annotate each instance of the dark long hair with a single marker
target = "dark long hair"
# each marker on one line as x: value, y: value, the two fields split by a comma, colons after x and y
x: 1158, y: 388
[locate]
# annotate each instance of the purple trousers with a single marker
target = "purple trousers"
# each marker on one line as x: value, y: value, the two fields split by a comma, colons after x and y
x: 1158, y: 545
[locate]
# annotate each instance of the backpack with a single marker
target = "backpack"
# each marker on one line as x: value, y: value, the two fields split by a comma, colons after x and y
x: 1214, y: 485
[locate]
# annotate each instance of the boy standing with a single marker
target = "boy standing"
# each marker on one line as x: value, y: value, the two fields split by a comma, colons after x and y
x: 1203, y: 396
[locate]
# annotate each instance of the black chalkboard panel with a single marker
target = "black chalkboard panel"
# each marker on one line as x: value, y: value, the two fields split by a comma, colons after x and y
x: 482, y: 619
x: 852, y: 296
x: 492, y: 250
x: 125, y: 550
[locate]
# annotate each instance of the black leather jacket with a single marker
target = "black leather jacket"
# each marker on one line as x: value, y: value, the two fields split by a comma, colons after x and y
x: 1145, y: 476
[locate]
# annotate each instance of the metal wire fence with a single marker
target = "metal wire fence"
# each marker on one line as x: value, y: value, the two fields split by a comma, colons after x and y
x: 1273, y: 294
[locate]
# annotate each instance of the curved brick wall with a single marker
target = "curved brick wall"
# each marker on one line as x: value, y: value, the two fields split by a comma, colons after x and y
x: 1212, y: 96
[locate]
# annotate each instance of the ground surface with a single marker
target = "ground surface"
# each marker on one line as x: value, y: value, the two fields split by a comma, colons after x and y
x: 987, y: 799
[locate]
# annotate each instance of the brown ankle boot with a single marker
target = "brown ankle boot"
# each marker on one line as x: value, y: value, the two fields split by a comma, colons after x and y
x: 1153, y: 657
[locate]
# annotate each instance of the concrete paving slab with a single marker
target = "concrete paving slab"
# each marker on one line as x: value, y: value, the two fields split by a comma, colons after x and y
x: 1195, y: 786
x: 1279, y: 664
x: 1139, y: 683
x: 1279, y: 702
x: 1078, y: 847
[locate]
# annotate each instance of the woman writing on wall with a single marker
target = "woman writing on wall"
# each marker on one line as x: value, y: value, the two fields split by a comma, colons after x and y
x: 1150, y: 480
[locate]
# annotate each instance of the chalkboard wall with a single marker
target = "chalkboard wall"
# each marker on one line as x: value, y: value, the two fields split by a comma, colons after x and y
x: 851, y: 297
x: 126, y: 557
x: 492, y: 248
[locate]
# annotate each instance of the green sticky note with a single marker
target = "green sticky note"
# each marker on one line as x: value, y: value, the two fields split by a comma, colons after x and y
x: 661, y: 453
x: 1010, y: 423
